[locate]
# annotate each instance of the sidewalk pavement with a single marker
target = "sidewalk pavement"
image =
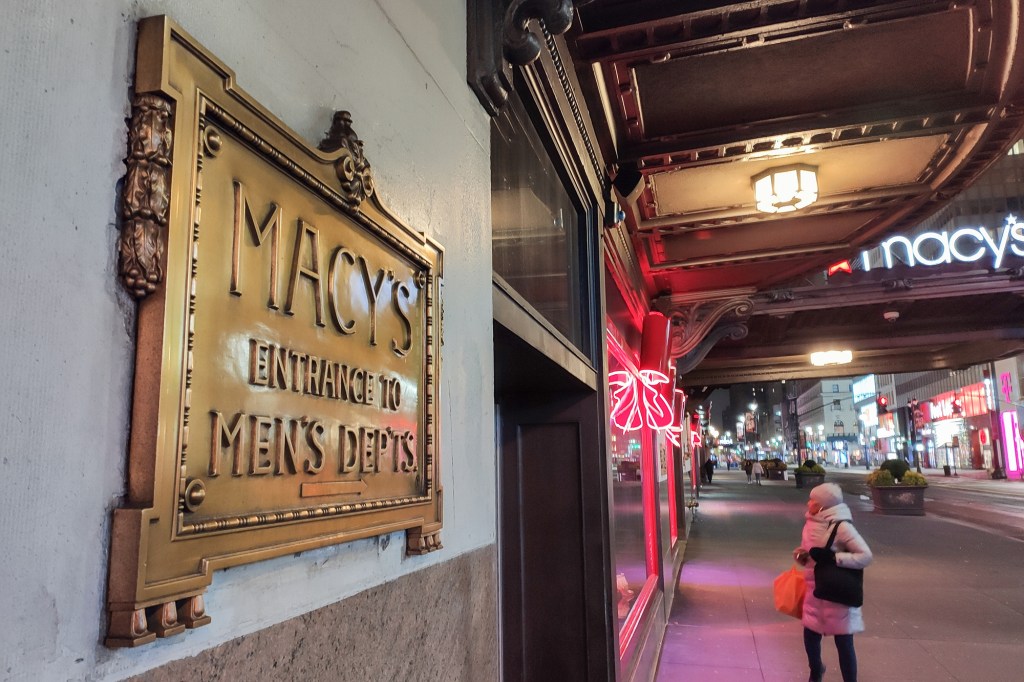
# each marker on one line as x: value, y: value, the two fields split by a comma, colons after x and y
x: 943, y: 601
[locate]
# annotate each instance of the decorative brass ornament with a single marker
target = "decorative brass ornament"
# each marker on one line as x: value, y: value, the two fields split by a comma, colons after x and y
x: 146, y: 195
x: 287, y: 370
x: 352, y: 167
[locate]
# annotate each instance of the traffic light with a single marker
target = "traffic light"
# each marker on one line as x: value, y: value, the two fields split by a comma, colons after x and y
x: 957, y: 405
x: 883, y: 404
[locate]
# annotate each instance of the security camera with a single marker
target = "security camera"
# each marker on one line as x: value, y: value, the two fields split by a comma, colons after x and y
x: 891, y: 315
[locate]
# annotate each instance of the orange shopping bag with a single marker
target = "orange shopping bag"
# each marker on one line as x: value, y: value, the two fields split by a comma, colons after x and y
x: 789, y: 592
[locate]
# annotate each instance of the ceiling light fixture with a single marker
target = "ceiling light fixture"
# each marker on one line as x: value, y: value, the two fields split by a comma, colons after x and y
x: 831, y: 357
x: 786, y: 188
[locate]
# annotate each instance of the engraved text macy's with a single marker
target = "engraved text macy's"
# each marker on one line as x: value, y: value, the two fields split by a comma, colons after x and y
x: 258, y: 445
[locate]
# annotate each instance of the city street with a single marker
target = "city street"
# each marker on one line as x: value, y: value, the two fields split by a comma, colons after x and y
x: 971, y: 498
x: 943, y: 598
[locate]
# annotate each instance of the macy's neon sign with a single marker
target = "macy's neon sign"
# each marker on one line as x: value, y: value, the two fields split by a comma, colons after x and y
x: 966, y: 245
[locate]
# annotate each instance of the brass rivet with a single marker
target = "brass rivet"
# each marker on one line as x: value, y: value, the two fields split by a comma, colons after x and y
x: 195, y: 493
x: 212, y: 141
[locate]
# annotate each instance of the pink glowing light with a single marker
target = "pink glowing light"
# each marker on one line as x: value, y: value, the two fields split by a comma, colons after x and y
x: 1011, y: 441
x: 638, y: 400
x: 1006, y: 386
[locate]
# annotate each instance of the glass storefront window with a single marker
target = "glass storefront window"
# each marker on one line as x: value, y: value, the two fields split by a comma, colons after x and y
x: 534, y: 223
x: 663, y: 467
x: 630, y: 452
x: 630, y: 560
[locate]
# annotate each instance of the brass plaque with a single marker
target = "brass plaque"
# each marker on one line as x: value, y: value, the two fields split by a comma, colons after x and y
x: 288, y: 344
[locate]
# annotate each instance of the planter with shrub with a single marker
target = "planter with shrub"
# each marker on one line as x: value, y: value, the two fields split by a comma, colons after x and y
x: 897, y: 490
x: 775, y: 468
x: 809, y: 474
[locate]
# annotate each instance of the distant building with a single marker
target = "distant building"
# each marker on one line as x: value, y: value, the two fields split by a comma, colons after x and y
x: 826, y: 413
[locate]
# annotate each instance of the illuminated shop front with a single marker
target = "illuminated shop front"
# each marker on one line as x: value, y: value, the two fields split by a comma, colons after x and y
x: 886, y: 446
x: 648, y: 442
x: 1007, y: 393
x: 1013, y: 444
x: 961, y: 428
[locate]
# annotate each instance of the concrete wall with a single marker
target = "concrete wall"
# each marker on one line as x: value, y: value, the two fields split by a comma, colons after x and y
x: 399, y: 67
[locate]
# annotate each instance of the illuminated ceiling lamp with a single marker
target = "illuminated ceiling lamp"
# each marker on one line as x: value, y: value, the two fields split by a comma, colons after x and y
x: 831, y: 357
x: 786, y: 188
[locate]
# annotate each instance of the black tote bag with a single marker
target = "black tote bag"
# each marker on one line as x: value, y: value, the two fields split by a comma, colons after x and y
x: 837, y: 584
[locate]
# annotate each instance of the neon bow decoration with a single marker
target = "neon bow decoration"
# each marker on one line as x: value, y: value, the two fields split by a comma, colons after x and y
x: 639, y: 400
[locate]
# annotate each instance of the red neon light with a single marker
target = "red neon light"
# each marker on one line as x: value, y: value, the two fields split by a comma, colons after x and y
x: 642, y: 403
x: 841, y: 266
x: 695, y: 439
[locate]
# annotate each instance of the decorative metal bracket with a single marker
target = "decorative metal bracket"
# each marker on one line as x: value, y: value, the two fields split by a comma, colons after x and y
x: 692, y: 323
x: 499, y: 37
x: 689, y: 362
x: 905, y: 284
x: 780, y: 296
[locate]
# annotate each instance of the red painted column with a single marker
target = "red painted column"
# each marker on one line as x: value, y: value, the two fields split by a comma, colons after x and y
x: 653, y: 356
x: 654, y: 346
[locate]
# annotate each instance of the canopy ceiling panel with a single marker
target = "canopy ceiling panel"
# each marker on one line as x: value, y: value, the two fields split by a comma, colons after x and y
x: 840, y: 170
x: 757, y: 238
x: 695, y: 93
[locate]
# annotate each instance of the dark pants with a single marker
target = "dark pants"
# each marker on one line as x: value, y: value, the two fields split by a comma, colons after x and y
x: 847, y: 655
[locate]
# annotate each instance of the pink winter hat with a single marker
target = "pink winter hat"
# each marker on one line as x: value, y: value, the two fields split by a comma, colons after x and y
x: 827, y: 495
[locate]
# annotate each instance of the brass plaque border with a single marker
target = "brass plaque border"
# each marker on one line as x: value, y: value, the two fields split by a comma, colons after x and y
x: 186, y: 103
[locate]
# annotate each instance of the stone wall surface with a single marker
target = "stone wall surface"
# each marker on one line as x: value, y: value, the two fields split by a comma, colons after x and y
x: 437, y: 624
x: 68, y: 331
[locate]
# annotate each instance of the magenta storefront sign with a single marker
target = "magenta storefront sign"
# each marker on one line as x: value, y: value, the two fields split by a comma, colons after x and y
x: 1012, y: 444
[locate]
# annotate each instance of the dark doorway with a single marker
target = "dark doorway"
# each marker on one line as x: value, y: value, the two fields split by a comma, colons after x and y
x: 552, y: 535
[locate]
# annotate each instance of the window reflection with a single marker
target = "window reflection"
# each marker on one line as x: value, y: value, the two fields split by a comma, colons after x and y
x: 534, y: 223
x: 627, y: 510
x: 666, y: 452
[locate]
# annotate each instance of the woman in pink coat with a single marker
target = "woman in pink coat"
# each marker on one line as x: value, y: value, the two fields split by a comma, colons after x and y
x: 825, y: 508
